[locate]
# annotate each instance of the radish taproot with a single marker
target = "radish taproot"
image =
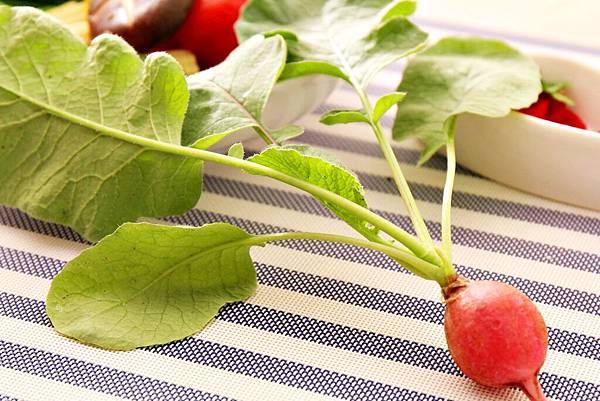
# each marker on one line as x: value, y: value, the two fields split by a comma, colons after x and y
x: 496, y: 335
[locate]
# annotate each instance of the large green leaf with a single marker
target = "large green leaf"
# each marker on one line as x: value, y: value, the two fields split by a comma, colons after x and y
x: 352, y: 39
x: 60, y: 103
x: 233, y: 95
x: 462, y: 75
x: 318, y: 168
x: 149, y: 284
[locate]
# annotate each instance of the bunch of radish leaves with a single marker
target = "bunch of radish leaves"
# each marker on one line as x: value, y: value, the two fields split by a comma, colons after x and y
x: 95, y: 138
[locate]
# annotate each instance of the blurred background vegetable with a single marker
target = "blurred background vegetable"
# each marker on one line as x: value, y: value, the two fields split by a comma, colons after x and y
x: 142, y: 23
x: 75, y: 15
x: 208, y: 31
x: 34, y: 3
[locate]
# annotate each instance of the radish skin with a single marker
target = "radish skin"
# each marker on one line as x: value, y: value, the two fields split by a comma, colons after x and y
x: 496, y: 335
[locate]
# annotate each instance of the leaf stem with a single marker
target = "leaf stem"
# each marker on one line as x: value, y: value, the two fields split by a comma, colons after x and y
x: 411, y: 262
x: 265, y: 135
x: 411, y: 242
x: 398, y: 176
x: 448, y: 188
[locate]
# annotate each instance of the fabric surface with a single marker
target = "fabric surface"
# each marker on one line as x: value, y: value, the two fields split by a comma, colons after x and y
x: 328, y: 321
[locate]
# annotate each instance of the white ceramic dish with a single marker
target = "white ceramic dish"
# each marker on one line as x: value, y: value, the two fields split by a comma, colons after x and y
x: 290, y: 100
x: 537, y: 156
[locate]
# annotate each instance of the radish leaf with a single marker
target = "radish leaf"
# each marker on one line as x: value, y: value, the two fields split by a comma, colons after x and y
x: 233, y: 95
x: 462, y: 75
x: 385, y: 103
x: 149, y: 284
x: 344, y: 38
x: 62, y: 107
x: 287, y: 133
x: 334, y: 117
x: 236, y: 150
x: 321, y: 169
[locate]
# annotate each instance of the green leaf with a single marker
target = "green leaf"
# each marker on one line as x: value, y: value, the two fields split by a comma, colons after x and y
x: 555, y: 89
x: 233, y: 95
x: 462, y: 75
x: 321, y: 169
x: 287, y: 133
x: 344, y: 117
x: 60, y: 106
x: 350, y: 39
x: 301, y: 68
x: 385, y: 103
x: 150, y: 284
x: 236, y: 150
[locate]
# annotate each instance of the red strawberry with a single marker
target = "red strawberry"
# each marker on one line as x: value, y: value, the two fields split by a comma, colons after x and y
x: 551, y: 108
x: 560, y: 113
x: 540, y: 108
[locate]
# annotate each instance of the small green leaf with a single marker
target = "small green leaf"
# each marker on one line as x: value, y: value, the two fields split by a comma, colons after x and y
x: 555, y: 90
x: 385, y: 103
x: 149, y: 284
x: 233, y: 95
x: 286, y: 133
x: 236, y: 150
x: 210, y: 140
x: 301, y: 68
x: 349, y: 39
x: 462, y: 75
x: 61, y: 104
x: 344, y: 117
x: 317, y: 167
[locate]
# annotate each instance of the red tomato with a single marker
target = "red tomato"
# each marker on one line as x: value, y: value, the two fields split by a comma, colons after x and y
x: 208, y: 31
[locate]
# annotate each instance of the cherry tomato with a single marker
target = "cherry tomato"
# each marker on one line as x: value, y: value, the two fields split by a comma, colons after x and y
x: 208, y: 31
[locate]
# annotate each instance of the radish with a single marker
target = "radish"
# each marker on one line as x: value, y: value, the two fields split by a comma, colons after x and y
x: 496, y: 335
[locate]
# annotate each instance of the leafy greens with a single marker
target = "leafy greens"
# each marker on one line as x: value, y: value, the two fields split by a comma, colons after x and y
x: 149, y: 284
x: 60, y: 102
x: 233, y: 95
x: 316, y: 167
x: 462, y: 75
x: 350, y: 39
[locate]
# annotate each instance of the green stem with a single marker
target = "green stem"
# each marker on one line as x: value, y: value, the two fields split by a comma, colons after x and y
x: 447, y: 200
x: 411, y: 262
x: 408, y: 240
x: 265, y: 135
x: 412, y: 243
x: 398, y: 176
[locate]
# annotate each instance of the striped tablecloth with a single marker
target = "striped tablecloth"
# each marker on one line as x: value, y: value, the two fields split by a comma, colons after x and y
x: 328, y: 321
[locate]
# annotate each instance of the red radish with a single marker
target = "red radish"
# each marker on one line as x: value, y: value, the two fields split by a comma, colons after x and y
x: 496, y: 335
x: 208, y: 31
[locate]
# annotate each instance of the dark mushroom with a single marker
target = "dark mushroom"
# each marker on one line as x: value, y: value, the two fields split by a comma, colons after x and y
x: 142, y: 23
